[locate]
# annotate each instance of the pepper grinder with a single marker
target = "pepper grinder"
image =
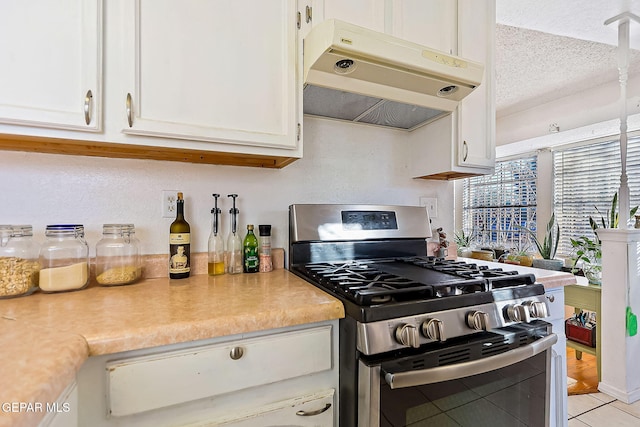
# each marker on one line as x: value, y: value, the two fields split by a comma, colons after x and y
x: 234, y: 243
x: 216, y: 244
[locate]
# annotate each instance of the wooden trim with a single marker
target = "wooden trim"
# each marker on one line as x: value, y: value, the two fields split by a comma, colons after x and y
x: 38, y: 144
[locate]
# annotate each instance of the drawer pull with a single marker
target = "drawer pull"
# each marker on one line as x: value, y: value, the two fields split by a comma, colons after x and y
x: 236, y: 353
x: 316, y: 412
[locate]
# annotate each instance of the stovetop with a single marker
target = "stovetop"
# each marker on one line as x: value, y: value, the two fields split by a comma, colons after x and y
x: 374, y: 289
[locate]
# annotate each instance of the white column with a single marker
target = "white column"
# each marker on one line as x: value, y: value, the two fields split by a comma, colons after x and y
x: 620, y: 288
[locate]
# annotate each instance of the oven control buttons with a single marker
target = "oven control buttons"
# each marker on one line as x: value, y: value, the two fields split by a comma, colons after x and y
x: 433, y: 329
x: 516, y: 313
x: 407, y: 335
x: 478, y: 320
x: 537, y: 309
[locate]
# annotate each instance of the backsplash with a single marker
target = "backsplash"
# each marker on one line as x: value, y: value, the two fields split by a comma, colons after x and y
x: 343, y: 163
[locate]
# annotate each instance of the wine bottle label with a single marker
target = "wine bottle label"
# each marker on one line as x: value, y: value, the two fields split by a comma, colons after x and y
x: 179, y: 253
x: 179, y: 238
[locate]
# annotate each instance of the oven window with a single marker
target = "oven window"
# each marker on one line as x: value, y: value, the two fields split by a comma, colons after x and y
x: 515, y: 395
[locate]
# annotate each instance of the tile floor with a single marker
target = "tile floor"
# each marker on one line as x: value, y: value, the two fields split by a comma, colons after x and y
x: 601, y: 410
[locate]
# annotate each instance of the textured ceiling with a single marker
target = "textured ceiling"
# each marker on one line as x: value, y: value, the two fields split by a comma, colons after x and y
x: 548, y: 49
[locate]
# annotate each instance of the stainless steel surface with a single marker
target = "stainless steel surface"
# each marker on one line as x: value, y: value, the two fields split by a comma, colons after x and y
x: 368, y: 395
x: 88, y: 104
x: 379, y: 337
x: 311, y: 222
x: 466, y: 369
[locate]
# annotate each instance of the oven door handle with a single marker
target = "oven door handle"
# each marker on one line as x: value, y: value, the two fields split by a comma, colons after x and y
x: 465, y: 369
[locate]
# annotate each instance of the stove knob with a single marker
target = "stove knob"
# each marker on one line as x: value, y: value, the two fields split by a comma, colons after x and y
x: 407, y: 335
x: 433, y: 329
x: 537, y: 309
x: 478, y: 320
x: 516, y: 313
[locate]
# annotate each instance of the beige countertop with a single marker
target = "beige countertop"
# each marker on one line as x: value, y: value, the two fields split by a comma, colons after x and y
x: 550, y: 279
x: 45, y: 338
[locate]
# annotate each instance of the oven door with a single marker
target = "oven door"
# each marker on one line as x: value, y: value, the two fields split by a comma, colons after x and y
x: 511, y: 388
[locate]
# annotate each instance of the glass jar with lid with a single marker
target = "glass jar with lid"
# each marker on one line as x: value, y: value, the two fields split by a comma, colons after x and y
x: 64, y: 259
x: 19, y: 265
x: 118, y: 255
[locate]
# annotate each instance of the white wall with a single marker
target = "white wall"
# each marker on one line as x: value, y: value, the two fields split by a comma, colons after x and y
x: 343, y: 163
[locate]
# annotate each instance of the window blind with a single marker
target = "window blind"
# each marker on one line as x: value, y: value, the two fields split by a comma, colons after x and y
x: 587, y: 177
x: 495, y: 207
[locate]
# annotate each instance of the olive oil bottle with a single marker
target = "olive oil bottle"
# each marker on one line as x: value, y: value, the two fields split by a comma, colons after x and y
x: 250, y: 244
x: 179, y: 244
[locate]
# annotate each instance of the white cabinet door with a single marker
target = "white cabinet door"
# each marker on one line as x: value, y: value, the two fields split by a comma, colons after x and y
x: 51, y: 63
x: 212, y: 70
x: 365, y: 13
x: 476, y: 41
x: 430, y: 23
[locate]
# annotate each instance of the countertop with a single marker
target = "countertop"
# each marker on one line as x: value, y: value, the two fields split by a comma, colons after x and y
x: 548, y: 278
x: 45, y: 338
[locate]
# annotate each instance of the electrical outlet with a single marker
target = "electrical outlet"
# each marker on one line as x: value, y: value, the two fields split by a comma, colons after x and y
x: 169, y: 198
x: 431, y: 203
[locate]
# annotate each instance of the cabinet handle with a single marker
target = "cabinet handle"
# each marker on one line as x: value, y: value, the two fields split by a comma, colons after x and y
x: 551, y: 298
x: 236, y: 353
x: 129, y: 110
x: 465, y: 150
x: 88, y: 104
x: 316, y: 412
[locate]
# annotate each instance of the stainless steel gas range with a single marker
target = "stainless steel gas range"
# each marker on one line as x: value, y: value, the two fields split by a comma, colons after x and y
x: 425, y: 341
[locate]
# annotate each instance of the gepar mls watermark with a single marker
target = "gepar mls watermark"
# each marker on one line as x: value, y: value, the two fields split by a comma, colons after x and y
x: 11, y: 407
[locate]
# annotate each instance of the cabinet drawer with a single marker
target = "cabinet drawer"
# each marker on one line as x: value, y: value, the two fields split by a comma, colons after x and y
x: 149, y: 382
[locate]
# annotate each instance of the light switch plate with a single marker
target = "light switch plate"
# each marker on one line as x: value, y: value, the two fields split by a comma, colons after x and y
x: 431, y: 203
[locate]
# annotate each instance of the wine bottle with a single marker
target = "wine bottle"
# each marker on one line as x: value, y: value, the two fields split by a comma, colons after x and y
x: 179, y: 244
x: 250, y: 244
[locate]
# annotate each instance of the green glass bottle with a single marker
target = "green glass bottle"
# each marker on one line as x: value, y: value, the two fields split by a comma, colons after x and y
x: 179, y: 244
x: 250, y: 245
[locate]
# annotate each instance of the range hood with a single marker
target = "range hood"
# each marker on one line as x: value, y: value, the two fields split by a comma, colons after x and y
x: 356, y: 74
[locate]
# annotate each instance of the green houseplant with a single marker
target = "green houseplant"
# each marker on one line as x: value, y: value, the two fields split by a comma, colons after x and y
x: 548, y: 247
x: 463, y: 242
x: 587, y: 251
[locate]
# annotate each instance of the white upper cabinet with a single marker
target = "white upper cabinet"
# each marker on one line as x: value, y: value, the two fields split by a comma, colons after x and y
x: 476, y: 33
x: 51, y: 63
x: 463, y: 143
x: 365, y: 13
x: 427, y: 22
x: 213, y: 71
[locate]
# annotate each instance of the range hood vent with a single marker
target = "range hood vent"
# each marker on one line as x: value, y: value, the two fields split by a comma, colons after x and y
x: 355, y: 74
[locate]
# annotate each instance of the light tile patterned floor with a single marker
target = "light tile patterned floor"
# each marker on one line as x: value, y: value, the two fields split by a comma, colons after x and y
x: 601, y: 410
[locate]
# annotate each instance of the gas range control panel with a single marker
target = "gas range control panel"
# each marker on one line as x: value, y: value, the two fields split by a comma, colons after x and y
x: 414, y: 331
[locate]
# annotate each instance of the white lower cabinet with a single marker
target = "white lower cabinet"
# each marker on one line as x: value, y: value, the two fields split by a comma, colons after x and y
x: 64, y: 411
x: 555, y: 300
x: 280, y: 377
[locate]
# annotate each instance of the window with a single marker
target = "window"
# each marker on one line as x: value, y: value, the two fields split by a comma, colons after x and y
x: 586, y: 177
x: 496, y: 207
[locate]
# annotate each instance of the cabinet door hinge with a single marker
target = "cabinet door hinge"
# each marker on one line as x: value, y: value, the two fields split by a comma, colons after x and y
x: 299, y: 20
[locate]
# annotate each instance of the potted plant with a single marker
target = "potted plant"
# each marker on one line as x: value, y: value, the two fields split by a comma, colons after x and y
x: 463, y: 242
x: 588, y: 253
x: 548, y: 247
